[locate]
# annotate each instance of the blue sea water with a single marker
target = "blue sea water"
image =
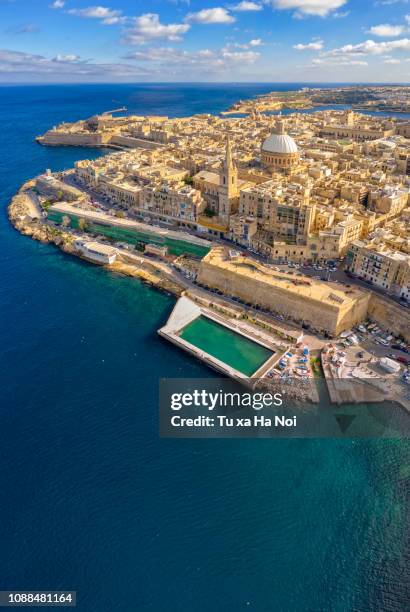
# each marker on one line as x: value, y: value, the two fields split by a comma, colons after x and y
x: 92, y: 500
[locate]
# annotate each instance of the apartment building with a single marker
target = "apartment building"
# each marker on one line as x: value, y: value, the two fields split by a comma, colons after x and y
x: 383, y: 267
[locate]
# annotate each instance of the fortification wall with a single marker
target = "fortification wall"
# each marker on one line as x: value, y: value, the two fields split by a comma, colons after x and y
x: 58, y: 189
x: 133, y: 143
x: 390, y: 316
x: 321, y: 316
x: 79, y: 139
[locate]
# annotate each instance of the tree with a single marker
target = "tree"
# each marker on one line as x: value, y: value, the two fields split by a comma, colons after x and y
x: 208, y: 212
x: 66, y: 221
x: 82, y: 224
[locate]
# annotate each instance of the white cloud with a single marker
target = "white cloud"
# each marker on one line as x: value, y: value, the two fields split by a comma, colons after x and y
x: 370, y: 47
x: 57, y: 4
x: 148, y: 27
x: 385, y: 30
x: 206, y: 59
x: 246, y: 5
x: 248, y: 57
x: 337, y: 61
x: 211, y: 15
x: 159, y: 54
x: 322, y: 8
x: 106, y: 15
x: 19, y: 66
x: 316, y: 45
x: 390, y: 2
x: 392, y: 61
x: 66, y: 58
x: 255, y: 42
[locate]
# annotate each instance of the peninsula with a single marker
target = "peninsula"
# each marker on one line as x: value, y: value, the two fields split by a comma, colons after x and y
x: 286, y: 236
x: 385, y: 98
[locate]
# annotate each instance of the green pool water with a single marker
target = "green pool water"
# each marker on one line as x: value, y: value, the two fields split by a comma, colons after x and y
x: 133, y: 236
x: 226, y: 345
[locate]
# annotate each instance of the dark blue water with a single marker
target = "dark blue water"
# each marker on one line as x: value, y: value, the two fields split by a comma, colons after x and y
x: 92, y: 500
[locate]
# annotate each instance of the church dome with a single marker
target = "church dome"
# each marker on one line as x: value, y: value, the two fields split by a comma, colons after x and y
x: 281, y: 144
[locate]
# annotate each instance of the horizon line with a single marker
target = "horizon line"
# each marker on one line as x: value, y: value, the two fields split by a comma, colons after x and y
x: 352, y: 83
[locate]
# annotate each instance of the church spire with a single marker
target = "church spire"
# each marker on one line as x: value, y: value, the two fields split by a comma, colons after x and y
x: 228, y: 186
x: 228, y: 153
x: 280, y: 127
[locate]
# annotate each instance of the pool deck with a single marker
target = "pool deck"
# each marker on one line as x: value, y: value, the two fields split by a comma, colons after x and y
x: 185, y: 311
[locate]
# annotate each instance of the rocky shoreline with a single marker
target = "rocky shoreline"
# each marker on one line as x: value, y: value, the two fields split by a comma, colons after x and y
x: 30, y: 223
x: 20, y: 216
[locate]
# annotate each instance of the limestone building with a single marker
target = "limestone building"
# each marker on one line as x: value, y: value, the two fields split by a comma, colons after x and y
x: 358, y: 130
x: 383, y: 267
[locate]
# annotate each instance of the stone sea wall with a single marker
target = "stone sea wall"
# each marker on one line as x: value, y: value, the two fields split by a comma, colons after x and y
x: 319, y: 316
x: 390, y: 316
x: 75, y: 139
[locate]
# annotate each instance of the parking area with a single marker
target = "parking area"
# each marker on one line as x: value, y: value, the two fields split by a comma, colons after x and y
x: 335, y: 272
x: 377, y: 342
x: 371, y: 353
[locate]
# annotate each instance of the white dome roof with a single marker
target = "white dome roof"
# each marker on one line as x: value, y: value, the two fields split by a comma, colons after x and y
x: 280, y: 143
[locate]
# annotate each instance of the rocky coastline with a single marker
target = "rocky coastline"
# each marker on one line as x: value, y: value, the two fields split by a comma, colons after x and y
x: 30, y: 222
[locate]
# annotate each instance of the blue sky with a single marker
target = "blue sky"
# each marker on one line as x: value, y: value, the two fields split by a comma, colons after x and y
x: 201, y: 40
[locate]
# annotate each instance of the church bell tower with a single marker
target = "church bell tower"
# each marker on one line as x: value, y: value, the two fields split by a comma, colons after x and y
x: 228, y: 187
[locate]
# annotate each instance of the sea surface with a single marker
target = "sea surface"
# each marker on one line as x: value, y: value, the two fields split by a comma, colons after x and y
x: 93, y: 501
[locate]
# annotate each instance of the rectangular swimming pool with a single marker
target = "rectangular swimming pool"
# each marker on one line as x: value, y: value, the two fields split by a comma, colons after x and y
x: 224, y: 344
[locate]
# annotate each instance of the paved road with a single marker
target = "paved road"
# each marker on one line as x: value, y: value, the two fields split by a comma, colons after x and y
x: 108, y: 205
x: 340, y: 277
x: 33, y: 205
x: 369, y: 344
